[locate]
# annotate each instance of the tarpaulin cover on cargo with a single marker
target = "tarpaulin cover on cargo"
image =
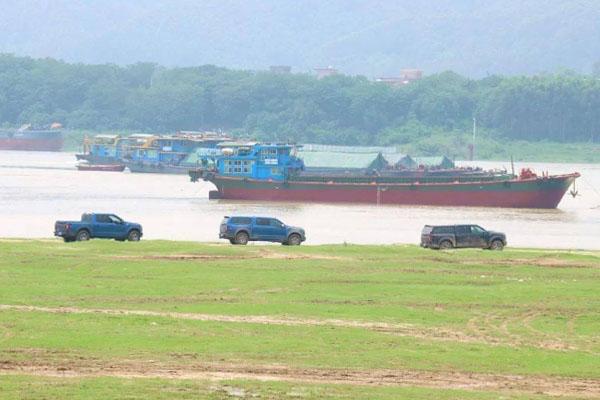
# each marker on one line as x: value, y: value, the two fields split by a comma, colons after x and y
x: 346, y: 157
x: 434, y: 162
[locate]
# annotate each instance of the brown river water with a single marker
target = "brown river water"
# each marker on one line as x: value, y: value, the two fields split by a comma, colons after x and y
x: 37, y: 188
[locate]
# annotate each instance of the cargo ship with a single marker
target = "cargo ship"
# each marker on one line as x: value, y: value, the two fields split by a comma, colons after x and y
x: 271, y: 172
x: 28, y: 138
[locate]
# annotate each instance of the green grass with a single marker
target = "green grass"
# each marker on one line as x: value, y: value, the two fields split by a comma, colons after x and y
x: 525, y: 312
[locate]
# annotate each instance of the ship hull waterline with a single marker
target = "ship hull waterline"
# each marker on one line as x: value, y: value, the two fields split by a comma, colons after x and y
x: 537, y: 192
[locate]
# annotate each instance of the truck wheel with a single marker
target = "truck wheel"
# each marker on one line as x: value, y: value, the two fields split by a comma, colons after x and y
x: 446, y: 245
x: 241, y: 238
x: 82, y: 236
x: 134, y: 236
x: 496, y: 245
x: 294, y: 239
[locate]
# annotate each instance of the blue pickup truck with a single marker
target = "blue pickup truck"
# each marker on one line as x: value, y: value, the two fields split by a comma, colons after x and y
x: 240, y: 230
x: 107, y: 226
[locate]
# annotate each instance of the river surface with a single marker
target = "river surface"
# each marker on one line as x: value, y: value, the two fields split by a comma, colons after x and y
x: 37, y: 188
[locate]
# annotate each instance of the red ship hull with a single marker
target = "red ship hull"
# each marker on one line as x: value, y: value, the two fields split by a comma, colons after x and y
x: 536, y: 192
x: 54, y: 144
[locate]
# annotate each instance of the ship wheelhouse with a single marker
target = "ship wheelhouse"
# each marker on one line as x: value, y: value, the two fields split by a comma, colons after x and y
x: 254, y: 160
x: 104, y: 146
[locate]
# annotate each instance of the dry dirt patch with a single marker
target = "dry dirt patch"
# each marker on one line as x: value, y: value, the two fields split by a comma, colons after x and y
x: 262, y: 254
x: 539, y: 262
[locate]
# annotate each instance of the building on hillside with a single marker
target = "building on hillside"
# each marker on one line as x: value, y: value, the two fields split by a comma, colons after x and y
x: 323, y: 72
x: 280, y: 69
x: 406, y: 76
x: 410, y: 75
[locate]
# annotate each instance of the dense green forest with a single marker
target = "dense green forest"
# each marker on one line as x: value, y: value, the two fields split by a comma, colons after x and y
x: 435, y: 111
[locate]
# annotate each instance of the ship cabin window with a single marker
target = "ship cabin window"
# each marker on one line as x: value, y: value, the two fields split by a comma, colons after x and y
x: 237, y: 166
x: 243, y: 151
x: 268, y: 152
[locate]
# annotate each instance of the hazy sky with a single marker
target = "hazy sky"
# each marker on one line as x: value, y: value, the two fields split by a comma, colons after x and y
x: 358, y: 37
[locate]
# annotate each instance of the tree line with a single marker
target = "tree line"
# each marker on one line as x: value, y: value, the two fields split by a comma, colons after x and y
x: 340, y: 109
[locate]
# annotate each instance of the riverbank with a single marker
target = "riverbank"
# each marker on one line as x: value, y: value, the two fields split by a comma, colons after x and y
x: 162, y: 319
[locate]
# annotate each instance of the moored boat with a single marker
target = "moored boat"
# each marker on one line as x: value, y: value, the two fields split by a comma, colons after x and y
x: 104, y: 149
x: 272, y: 173
x: 28, y: 138
x: 170, y: 154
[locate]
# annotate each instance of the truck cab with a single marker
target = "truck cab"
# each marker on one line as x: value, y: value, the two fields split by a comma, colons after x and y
x: 96, y: 225
x: 241, y: 230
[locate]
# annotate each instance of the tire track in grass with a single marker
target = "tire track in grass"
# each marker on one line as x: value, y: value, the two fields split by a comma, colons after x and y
x: 79, y: 367
x: 407, y: 330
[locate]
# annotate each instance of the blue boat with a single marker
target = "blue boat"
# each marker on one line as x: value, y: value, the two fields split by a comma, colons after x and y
x: 103, y: 150
x: 172, y: 154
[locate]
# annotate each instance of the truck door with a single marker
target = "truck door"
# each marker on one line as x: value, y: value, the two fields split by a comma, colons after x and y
x: 102, y: 227
x: 118, y: 228
x: 462, y: 233
x: 278, y: 229
x: 262, y: 229
x: 478, y: 236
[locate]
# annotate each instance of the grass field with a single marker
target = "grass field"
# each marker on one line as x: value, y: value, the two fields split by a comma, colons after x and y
x: 177, y: 320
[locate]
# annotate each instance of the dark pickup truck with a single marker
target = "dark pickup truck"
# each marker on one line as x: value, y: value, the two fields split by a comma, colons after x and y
x: 460, y: 236
x: 107, y: 226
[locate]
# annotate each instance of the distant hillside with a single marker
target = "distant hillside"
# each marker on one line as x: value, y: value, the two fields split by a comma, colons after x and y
x: 473, y: 38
